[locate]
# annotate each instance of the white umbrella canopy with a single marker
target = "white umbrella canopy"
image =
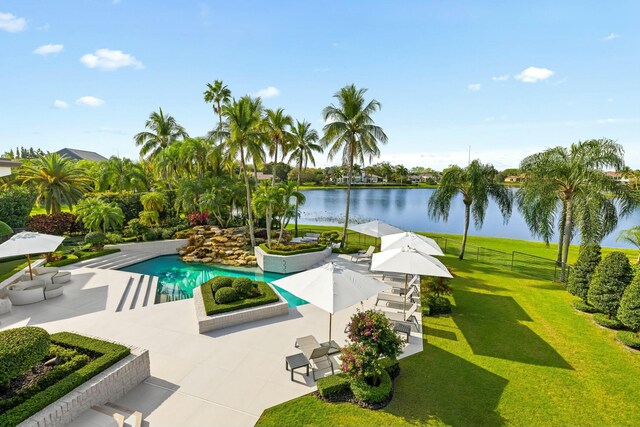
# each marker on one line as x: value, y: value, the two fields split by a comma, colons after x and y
x: 27, y: 243
x: 331, y: 287
x: 416, y: 241
x: 376, y: 228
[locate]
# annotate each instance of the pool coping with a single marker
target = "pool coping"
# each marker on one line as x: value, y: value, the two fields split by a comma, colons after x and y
x: 215, y: 322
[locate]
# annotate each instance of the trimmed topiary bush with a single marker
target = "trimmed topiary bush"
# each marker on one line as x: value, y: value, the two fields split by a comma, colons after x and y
x: 373, y: 395
x: 96, y: 239
x: 608, y: 283
x: 243, y: 286
x: 629, y: 339
x: 20, y: 350
x: 5, y: 230
x: 336, y: 388
x: 437, y: 305
x: 584, y: 307
x: 608, y: 322
x: 114, y: 238
x: 588, y: 259
x: 226, y: 295
x: 221, y: 282
x: 629, y: 311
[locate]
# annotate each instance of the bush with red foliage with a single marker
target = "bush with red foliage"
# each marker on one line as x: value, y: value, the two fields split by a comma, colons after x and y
x: 198, y: 218
x: 58, y: 223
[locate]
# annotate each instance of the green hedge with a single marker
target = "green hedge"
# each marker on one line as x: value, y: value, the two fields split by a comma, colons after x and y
x: 106, y: 354
x: 20, y: 350
x: 267, y: 296
x: 336, y: 388
x: 630, y: 339
x: 83, y: 256
x: 584, y: 307
x: 366, y: 394
x: 5, y: 230
x: 604, y: 320
x: 265, y: 248
x: 348, y: 249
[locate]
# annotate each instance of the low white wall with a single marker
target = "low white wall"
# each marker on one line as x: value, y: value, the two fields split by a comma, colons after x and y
x: 238, y: 317
x: 108, y: 386
x: 289, y: 263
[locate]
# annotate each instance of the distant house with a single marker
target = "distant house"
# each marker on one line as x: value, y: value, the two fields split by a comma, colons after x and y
x: 264, y: 176
x: 429, y: 178
x: 361, y: 178
x: 75, y: 154
x: 618, y: 176
x: 514, y: 178
x: 6, y: 165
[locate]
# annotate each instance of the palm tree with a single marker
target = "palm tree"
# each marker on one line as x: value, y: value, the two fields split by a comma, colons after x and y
x: 350, y: 130
x: 243, y: 132
x: 632, y: 236
x: 267, y: 200
x: 162, y: 131
x: 217, y: 94
x: 56, y: 180
x: 476, y: 183
x: 276, y: 128
x: 289, y: 191
x: 121, y: 174
x: 304, y: 143
x: 96, y: 214
x: 570, y: 183
x: 402, y: 172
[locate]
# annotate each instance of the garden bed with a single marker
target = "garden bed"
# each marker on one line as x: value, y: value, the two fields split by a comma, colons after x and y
x: 82, y: 358
x: 291, y: 263
x: 292, y: 248
x: 268, y: 296
x: 78, y: 256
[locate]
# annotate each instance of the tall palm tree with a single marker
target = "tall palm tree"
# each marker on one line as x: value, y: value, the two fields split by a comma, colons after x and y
x: 351, y: 131
x: 402, y: 173
x: 289, y: 191
x: 217, y: 94
x: 304, y: 143
x: 243, y: 131
x: 277, y: 127
x: 570, y: 183
x: 120, y: 174
x: 632, y: 236
x: 476, y: 183
x: 56, y: 180
x: 267, y: 200
x: 162, y: 131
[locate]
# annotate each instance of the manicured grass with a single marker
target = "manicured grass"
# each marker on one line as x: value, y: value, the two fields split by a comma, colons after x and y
x: 9, y: 268
x: 514, y: 352
x: 212, y: 307
x: 81, y: 256
x: 39, y: 210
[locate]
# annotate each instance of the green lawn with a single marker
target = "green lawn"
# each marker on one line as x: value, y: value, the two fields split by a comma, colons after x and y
x: 513, y: 352
x: 38, y: 210
x: 9, y: 268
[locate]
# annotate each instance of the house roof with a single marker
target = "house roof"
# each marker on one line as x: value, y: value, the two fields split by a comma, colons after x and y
x: 76, y: 154
x: 612, y: 173
x: 8, y: 163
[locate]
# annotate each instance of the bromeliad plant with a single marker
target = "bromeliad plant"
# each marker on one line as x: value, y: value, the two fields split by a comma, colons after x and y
x: 371, y: 338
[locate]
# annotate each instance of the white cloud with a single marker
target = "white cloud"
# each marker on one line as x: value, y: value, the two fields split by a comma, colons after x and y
x: 11, y: 23
x: 502, y: 78
x: 616, y: 121
x: 59, y: 104
x: 612, y: 36
x: 49, y: 48
x: 474, y: 87
x: 534, y: 74
x: 268, y: 92
x: 107, y: 59
x: 90, y: 101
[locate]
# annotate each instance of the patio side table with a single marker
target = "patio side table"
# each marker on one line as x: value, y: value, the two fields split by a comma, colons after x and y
x: 296, y: 361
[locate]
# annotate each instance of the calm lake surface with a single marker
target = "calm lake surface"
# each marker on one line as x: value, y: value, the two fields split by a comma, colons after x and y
x: 407, y: 209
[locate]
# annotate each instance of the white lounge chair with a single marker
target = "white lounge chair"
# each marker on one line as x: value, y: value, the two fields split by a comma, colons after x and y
x: 399, y: 316
x: 44, y: 273
x: 365, y: 255
x: 26, y: 292
x: 318, y: 355
x: 397, y: 298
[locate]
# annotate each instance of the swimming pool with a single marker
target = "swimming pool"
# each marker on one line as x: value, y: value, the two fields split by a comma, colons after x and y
x: 175, y: 275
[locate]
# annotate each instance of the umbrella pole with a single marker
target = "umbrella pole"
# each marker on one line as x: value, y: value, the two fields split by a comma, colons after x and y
x: 330, y: 318
x: 29, y: 262
x: 404, y: 305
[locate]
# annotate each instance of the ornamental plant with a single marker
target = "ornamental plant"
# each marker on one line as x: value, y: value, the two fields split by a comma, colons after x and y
x: 371, y: 338
x: 608, y: 283
x: 198, y: 218
x: 629, y: 311
x: 588, y: 259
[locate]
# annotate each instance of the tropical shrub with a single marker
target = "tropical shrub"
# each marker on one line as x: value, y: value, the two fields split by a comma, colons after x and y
x: 98, y: 215
x: 114, y: 238
x: 167, y: 233
x: 436, y: 305
x: 129, y: 203
x: 59, y: 223
x: 373, y: 394
x: 149, y: 218
x: 221, y: 282
x: 136, y: 228
x: 436, y: 286
x: 151, y: 235
x: 630, y: 339
x: 198, y: 218
x: 20, y: 350
x: 608, y: 322
x: 629, y: 311
x: 608, y: 283
x: 5, y: 230
x: 96, y: 239
x: 15, y: 205
x: 243, y: 286
x: 588, y: 259
x: 226, y: 295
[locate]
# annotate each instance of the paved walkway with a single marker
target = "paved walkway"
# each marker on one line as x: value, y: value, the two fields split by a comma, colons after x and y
x: 225, y: 378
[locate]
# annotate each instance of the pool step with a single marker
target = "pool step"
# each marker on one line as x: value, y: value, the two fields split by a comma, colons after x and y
x: 140, y: 292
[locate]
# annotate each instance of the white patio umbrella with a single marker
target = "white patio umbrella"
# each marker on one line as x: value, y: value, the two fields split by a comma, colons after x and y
x: 408, y: 260
x: 331, y: 287
x: 376, y: 229
x: 416, y: 241
x: 27, y: 243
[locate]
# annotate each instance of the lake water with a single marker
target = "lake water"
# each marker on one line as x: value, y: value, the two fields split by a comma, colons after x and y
x: 407, y: 209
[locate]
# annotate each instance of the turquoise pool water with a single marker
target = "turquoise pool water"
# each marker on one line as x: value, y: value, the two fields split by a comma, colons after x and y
x: 175, y: 275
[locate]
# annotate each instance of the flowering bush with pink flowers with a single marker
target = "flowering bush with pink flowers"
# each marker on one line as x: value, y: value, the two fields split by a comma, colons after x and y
x: 371, y: 338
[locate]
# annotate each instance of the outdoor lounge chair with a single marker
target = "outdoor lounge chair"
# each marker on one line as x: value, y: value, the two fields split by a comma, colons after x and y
x: 318, y: 355
x: 396, y: 298
x: 44, y: 273
x: 366, y: 255
x: 398, y: 316
x: 26, y: 292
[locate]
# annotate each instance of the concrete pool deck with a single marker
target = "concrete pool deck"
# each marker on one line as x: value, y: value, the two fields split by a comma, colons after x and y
x: 227, y: 377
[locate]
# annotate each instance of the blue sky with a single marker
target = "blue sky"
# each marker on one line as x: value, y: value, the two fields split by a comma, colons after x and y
x: 507, y: 78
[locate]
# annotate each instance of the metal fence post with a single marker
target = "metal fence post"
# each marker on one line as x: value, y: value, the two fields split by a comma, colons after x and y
x: 445, y: 245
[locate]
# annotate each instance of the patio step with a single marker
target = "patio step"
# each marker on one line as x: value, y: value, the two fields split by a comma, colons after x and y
x: 140, y: 292
x: 125, y: 294
x: 151, y: 291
